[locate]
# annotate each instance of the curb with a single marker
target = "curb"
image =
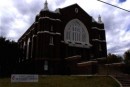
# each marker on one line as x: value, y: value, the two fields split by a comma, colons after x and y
x: 116, y: 80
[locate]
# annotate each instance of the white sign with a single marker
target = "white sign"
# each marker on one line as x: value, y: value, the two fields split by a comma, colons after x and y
x: 24, y: 78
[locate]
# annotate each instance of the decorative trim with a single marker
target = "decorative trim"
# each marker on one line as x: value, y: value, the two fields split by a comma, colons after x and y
x: 39, y: 32
x: 35, y: 22
x: 24, y: 37
x: 46, y: 31
x: 98, y: 40
x: 28, y: 33
x: 87, y: 62
x: 76, y: 10
x: 31, y: 29
x: 101, y: 58
x: 79, y: 45
x: 34, y: 36
x: 98, y: 28
x: 74, y: 57
x: 51, y: 44
x: 57, y: 33
x: 50, y: 18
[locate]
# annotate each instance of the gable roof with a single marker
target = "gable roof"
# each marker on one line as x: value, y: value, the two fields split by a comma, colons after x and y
x: 74, y: 6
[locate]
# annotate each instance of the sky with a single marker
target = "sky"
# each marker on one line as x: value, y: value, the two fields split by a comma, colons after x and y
x: 16, y: 16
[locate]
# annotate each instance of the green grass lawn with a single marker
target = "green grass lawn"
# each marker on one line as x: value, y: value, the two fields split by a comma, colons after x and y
x: 64, y: 81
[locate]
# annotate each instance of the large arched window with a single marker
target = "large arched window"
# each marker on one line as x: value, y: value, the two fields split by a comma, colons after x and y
x: 76, y: 33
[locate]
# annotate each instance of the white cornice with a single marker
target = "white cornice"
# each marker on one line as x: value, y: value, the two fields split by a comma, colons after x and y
x: 79, y: 45
x: 34, y: 35
x: 50, y: 18
x: 98, y: 40
x: 57, y: 33
x: 87, y: 62
x: 98, y: 28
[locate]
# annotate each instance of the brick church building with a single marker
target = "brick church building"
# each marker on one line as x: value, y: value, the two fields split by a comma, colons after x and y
x: 58, y: 36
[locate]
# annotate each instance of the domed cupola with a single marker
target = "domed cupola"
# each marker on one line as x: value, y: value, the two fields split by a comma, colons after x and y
x: 45, y: 11
x: 100, y: 20
x: 45, y: 6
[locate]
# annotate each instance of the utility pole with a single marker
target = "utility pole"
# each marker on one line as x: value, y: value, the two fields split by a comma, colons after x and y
x: 113, y: 5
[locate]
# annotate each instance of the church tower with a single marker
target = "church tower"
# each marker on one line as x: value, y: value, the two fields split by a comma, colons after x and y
x: 48, y: 40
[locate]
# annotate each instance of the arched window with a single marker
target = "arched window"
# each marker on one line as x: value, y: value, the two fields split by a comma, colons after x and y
x: 28, y: 47
x: 76, y: 32
x: 23, y: 51
x: 24, y: 44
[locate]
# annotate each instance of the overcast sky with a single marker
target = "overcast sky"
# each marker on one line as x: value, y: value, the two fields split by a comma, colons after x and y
x: 16, y: 16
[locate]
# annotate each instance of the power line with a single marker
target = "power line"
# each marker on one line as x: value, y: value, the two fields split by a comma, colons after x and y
x: 114, y: 5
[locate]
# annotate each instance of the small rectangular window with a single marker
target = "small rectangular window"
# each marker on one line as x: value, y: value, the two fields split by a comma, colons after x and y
x: 51, y: 28
x: 51, y: 40
x: 99, y: 37
x: 100, y: 47
x: 45, y: 65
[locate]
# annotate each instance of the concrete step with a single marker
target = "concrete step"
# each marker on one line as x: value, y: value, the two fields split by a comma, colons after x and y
x: 124, y: 80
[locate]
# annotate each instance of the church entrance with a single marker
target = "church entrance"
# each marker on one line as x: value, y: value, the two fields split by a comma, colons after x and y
x: 83, y: 52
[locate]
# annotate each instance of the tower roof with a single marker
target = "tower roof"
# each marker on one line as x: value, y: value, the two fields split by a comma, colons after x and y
x: 45, y: 6
x: 99, y: 19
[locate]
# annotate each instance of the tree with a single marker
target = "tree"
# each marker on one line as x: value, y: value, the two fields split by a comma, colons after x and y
x: 127, y: 56
x: 112, y: 58
x: 126, y: 68
x: 9, y: 53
